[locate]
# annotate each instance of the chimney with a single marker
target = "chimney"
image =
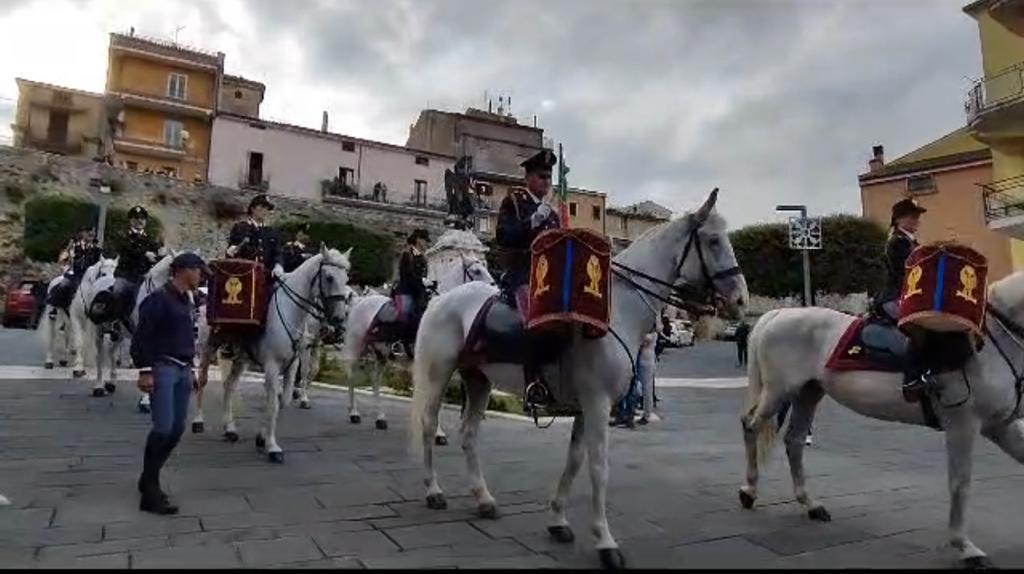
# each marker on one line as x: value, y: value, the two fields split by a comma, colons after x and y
x: 878, y: 158
x: 323, y: 123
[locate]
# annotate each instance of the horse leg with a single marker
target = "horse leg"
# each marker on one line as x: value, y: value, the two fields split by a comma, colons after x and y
x: 202, y: 377
x: 230, y: 384
x: 78, y: 338
x: 595, y: 438
x: 440, y: 438
x: 353, y: 405
x: 272, y: 387
x: 960, y: 432
x: 51, y: 336
x: 98, y: 388
x: 759, y: 432
x: 430, y: 391
x: 478, y: 392
x: 112, y: 350
x: 559, y: 528
x: 799, y: 425
x: 381, y: 422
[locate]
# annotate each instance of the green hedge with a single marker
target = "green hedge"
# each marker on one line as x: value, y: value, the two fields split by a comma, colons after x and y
x: 850, y: 262
x: 51, y: 221
x: 373, y: 253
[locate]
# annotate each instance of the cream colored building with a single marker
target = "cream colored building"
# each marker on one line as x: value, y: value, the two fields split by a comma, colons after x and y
x: 57, y: 119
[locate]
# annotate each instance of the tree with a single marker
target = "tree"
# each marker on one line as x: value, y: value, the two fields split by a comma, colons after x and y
x: 850, y: 261
x: 373, y: 254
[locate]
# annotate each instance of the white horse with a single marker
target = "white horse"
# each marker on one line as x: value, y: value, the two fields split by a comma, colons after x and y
x: 693, y: 250
x: 87, y: 335
x: 370, y: 310
x: 788, y: 352
x: 55, y: 329
x: 317, y: 287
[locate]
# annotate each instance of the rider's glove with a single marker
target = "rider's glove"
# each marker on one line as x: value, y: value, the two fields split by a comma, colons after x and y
x: 540, y: 216
x: 151, y: 256
x: 232, y: 250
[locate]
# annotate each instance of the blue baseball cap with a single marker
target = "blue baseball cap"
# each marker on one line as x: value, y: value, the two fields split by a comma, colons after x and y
x: 189, y: 261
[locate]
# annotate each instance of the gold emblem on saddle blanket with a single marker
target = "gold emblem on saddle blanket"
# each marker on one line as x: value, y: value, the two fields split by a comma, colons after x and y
x: 968, y: 283
x: 913, y: 278
x: 594, y: 273
x: 541, y: 275
x: 854, y: 350
x: 233, y: 286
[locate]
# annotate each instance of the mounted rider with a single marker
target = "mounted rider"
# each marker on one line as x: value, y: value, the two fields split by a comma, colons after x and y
x: 410, y: 291
x: 903, y: 227
x: 80, y: 253
x: 137, y: 252
x: 523, y: 216
x: 252, y: 239
x: 296, y: 251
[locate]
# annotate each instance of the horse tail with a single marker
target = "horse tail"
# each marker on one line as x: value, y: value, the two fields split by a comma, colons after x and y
x: 763, y: 428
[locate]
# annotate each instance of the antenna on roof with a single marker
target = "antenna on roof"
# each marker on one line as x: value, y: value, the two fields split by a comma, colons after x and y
x: 176, y: 30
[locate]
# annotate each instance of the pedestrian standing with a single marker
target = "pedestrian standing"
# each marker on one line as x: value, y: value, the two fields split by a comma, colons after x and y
x: 742, y: 337
x: 163, y: 349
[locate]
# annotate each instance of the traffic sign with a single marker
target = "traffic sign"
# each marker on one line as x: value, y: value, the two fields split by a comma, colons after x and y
x: 805, y: 233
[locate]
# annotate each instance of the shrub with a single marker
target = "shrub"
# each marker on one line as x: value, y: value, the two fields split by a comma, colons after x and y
x: 51, y: 221
x: 15, y: 193
x: 373, y: 253
x: 225, y: 208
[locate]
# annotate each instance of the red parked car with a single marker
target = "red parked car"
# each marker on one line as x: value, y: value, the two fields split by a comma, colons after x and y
x: 25, y: 303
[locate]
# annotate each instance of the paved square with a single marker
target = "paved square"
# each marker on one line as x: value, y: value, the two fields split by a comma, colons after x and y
x: 350, y: 497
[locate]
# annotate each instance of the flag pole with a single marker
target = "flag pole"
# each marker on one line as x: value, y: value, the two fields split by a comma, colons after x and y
x: 563, y: 190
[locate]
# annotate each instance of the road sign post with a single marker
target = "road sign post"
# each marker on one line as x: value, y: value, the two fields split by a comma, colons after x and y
x: 805, y: 235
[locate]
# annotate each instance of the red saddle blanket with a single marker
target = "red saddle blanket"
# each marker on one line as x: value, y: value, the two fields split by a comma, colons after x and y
x: 852, y: 354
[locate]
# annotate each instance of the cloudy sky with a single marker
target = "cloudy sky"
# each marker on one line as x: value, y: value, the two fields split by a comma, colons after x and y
x: 773, y: 101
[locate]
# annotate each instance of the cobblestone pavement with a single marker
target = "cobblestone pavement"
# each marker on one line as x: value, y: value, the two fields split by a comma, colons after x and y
x: 350, y: 496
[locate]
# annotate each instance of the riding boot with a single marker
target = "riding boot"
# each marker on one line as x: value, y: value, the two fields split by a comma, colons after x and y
x: 917, y: 377
x: 154, y: 499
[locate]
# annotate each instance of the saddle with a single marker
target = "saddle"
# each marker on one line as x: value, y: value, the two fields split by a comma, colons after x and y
x: 874, y: 343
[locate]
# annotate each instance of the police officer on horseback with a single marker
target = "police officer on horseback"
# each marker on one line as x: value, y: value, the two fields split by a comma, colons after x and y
x: 903, y: 227
x: 411, y: 288
x: 81, y: 253
x: 252, y: 239
x: 523, y: 216
x: 296, y: 251
x: 137, y: 252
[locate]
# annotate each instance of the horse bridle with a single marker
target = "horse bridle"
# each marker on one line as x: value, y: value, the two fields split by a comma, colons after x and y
x: 318, y: 307
x: 680, y: 295
x: 1016, y: 333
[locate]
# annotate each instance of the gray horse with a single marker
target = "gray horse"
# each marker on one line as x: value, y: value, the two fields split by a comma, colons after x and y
x: 788, y: 352
x: 693, y: 250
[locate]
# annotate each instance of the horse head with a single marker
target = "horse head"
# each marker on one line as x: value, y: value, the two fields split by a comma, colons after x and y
x: 333, y: 291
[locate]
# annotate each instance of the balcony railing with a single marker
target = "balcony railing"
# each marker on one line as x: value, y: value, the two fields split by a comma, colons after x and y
x: 994, y: 91
x: 1004, y: 198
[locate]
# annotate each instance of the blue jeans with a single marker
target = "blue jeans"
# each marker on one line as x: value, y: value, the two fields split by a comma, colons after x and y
x: 172, y: 387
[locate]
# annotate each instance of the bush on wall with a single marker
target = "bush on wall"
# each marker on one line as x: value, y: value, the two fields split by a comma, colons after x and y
x: 373, y: 253
x: 51, y: 221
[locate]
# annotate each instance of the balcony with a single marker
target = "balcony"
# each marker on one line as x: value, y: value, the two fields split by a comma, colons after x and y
x: 152, y: 148
x: 1004, y: 205
x: 62, y: 147
x: 996, y: 103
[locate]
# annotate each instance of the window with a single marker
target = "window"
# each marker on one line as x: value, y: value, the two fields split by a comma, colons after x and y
x: 420, y: 193
x: 132, y: 165
x: 177, y: 86
x: 170, y: 171
x: 572, y: 209
x: 254, y: 176
x: 920, y: 184
x: 483, y: 225
x: 348, y: 146
x: 172, y: 133
x: 238, y: 94
x: 346, y: 175
x: 422, y: 160
x: 57, y: 130
x: 595, y: 211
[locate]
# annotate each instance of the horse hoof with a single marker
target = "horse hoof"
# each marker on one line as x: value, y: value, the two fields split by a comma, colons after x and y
x: 305, y: 405
x: 441, y: 440
x: 78, y: 374
x: 436, y: 501
x: 110, y: 387
x: 62, y: 363
x: 381, y: 424
x: 820, y: 514
x: 275, y: 457
x: 198, y: 427
x: 48, y: 365
x: 261, y: 443
x: 978, y: 563
x: 611, y: 558
x: 561, y: 534
x: 487, y: 510
x: 98, y: 393
x: 355, y: 419
x: 231, y: 436
x: 747, y: 500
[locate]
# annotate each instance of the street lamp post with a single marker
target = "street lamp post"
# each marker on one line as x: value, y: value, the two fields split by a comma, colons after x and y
x: 803, y: 246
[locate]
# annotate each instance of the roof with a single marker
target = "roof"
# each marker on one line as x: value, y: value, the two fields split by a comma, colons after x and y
x: 163, y: 46
x: 483, y: 117
x: 977, y: 5
x: 326, y: 135
x: 56, y: 87
x: 245, y: 82
x: 955, y: 148
x: 645, y: 209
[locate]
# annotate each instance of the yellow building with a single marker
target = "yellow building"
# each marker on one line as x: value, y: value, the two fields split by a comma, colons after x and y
x: 625, y: 224
x: 995, y: 114
x: 161, y: 101
x: 60, y: 120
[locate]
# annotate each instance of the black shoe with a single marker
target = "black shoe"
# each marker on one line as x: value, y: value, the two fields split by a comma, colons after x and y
x: 153, y: 502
